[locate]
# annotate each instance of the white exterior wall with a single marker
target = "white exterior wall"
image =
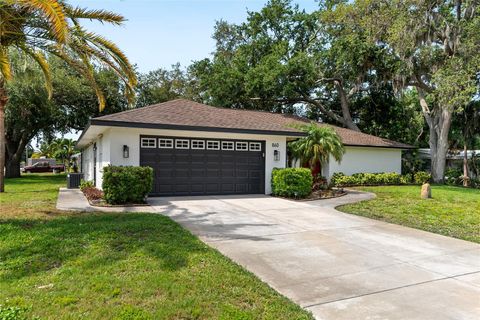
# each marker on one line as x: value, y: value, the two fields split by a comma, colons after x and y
x: 87, y: 163
x: 365, y: 159
x: 103, y: 156
x: 103, y: 159
x: 113, y: 140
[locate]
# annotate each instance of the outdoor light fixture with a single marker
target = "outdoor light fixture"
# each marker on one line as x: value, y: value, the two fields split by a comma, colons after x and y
x: 125, y: 151
x: 276, y: 155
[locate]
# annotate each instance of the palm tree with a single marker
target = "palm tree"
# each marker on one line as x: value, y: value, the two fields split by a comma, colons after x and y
x: 316, y: 147
x: 64, y: 149
x: 37, y: 28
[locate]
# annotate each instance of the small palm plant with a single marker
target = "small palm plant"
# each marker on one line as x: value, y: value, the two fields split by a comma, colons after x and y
x: 42, y: 28
x: 316, y: 148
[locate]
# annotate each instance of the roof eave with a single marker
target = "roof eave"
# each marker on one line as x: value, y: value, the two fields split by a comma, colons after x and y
x: 406, y: 147
x: 127, y: 124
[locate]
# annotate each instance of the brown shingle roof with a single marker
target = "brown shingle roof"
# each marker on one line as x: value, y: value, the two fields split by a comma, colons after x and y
x: 185, y: 113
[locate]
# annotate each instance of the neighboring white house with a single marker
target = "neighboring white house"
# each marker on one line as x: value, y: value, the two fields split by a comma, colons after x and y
x: 197, y: 149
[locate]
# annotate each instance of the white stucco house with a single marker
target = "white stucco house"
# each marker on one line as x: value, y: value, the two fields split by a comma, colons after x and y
x: 196, y: 149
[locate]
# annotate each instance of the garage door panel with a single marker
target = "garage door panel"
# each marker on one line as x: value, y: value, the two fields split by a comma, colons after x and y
x: 228, y: 173
x: 228, y: 188
x: 182, y: 159
x: 202, y: 171
x: 198, y: 173
x: 213, y: 173
x: 165, y: 158
x: 212, y: 187
x: 197, y: 188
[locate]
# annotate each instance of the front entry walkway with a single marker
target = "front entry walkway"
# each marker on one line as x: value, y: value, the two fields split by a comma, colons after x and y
x: 336, y: 265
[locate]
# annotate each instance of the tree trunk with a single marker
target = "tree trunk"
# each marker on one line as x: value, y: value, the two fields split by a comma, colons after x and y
x: 3, y: 103
x: 439, y: 121
x: 347, y: 117
x: 12, y: 168
x: 14, y: 150
x: 465, y: 165
x: 439, y: 130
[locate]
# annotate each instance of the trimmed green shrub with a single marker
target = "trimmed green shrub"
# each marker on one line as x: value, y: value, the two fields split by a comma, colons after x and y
x: 406, y: 179
x: 339, y: 179
x: 86, y: 184
x: 292, y: 182
x: 421, y: 177
x: 126, y: 184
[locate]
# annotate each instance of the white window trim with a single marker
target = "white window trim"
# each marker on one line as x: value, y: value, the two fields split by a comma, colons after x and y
x: 182, y: 140
x: 231, y: 143
x: 165, y: 147
x: 258, y: 144
x: 198, y: 148
x: 241, y: 143
x: 148, y: 146
x: 214, y: 141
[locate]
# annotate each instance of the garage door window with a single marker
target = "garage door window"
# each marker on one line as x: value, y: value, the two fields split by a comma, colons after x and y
x: 255, y: 146
x: 182, y: 144
x: 148, y: 143
x: 198, y: 144
x: 165, y: 143
x: 213, y: 145
x: 228, y: 145
x: 242, y: 146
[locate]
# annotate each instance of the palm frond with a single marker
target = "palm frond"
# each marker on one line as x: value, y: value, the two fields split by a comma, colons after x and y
x: 5, y: 68
x: 54, y: 13
x: 84, y: 68
x: 97, y: 14
x: 112, y: 50
x: 39, y: 58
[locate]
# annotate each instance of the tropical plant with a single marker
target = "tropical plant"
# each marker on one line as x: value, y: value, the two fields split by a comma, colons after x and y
x: 64, y: 151
x: 317, y: 146
x: 39, y: 28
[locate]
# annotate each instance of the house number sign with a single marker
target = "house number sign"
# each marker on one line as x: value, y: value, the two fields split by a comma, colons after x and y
x: 275, y: 144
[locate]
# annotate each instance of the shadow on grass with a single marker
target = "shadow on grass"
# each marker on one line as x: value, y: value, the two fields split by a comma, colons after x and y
x: 28, y: 247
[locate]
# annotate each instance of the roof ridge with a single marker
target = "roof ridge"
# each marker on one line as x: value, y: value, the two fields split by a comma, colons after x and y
x: 136, y: 109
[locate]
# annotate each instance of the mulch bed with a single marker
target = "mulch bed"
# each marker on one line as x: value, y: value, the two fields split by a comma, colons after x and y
x: 95, y: 198
x: 103, y: 203
x: 324, y: 194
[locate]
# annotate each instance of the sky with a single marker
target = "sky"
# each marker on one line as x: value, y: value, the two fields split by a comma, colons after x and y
x: 160, y: 33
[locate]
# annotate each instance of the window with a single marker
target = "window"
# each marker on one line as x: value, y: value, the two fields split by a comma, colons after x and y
x: 182, y: 144
x: 165, y: 143
x: 255, y: 146
x: 213, y: 145
x: 228, y: 145
x: 198, y: 144
x: 148, y: 143
x: 242, y: 146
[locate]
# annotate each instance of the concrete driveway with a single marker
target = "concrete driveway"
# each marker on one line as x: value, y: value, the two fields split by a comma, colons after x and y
x: 336, y: 265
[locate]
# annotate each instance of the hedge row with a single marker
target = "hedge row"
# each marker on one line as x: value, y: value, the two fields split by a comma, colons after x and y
x: 339, y: 179
x: 292, y: 182
x: 126, y: 184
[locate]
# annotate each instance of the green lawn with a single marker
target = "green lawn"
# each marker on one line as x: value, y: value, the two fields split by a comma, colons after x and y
x: 117, y: 266
x: 453, y: 211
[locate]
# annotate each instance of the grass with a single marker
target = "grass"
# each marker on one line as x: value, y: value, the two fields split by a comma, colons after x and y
x: 453, y: 211
x: 117, y: 266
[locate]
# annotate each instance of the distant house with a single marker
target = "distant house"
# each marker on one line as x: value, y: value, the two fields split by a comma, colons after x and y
x: 454, y: 158
x: 196, y: 149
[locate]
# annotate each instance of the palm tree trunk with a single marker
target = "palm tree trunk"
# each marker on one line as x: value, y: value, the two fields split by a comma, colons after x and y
x: 465, y: 165
x: 3, y: 103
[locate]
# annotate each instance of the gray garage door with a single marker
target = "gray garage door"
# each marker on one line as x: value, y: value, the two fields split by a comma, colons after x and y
x: 199, y: 166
